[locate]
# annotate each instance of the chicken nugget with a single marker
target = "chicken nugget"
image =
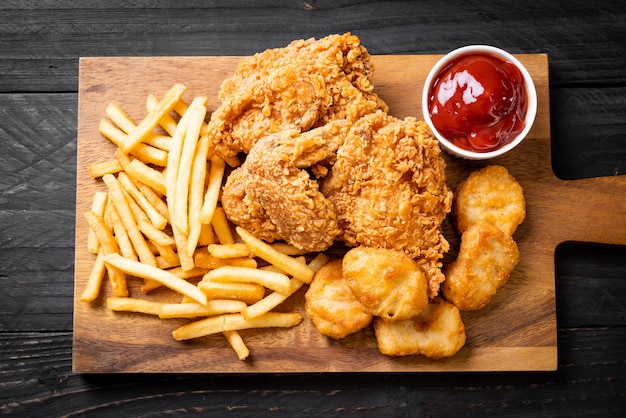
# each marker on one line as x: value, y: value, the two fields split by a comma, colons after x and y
x: 487, y: 256
x: 387, y: 282
x: 437, y: 332
x: 490, y: 195
x: 331, y: 305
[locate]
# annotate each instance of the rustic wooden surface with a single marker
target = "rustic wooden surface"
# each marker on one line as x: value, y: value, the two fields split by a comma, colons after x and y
x: 40, y: 44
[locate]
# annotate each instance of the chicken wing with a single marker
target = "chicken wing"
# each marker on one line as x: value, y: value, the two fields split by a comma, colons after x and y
x: 274, y: 197
x: 301, y: 86
x: 388, y: 188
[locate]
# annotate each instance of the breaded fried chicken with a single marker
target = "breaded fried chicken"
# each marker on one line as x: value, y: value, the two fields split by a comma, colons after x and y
x: 274, y: 197
x: 301, y: 86
x: 388, y: 188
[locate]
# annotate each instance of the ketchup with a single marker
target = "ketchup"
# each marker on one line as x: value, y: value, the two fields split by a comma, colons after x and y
x: 479, y: 102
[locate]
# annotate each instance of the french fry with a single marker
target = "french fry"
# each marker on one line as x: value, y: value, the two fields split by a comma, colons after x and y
x: 167, y: 122
x: 145, y: 271
x: 146, y: 126
x: 263, y: 250
x: 155, y: 235
x: 156, y: 218
x: 162, y: 142
x: 94, y: 282
x: 235, y: 322
x: 149, y: 307
x: 117, y: 196
x: 106, y: 167
x: 155, y: 200
x: 144, y: 152
x: 246, y: 292
x: 196, y: 190
x: 119, y: 117
x: 203, y: 259
x: 287, y: 249
x: 197, y: 112
x: 237, y: 344
x: 195, y: 310
x: 207, y: 236
x: 178, y: 272
x: 269, y: 279
x: 121, y: 235
x: 236, y: 250
x: 221, y: 227
x: 98, y: 206
x: 216, y: 175
x: 147, y: 175
x: 108, y: 245
x: 272, y: 300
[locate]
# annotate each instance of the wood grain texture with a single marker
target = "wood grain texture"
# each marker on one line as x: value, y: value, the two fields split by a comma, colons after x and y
x: 526, y: 304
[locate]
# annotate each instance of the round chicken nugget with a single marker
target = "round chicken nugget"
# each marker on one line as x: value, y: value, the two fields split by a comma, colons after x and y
x: 437, y: 332
x: 487, y: 256
x: 331, y: 306
x: 490, y: 195
x: 387, y: 282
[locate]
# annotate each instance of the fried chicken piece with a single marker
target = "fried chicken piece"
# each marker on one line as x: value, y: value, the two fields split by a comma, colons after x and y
x: 487, y: 256
x: 331, y: 305
x: 437, y: 332
x: 274, y: 197
x: 301, y: 86
x: 387, y: 282
x: 389, y: 190
x: 490, y: 195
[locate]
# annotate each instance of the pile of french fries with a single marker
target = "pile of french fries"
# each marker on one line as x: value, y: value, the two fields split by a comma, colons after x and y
x: 160, y: 221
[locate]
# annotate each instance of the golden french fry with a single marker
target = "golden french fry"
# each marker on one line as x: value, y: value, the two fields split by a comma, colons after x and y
x: 236, y: 250
x: 117, y: 196
x: 287, y: 249
x: 246, y: 292
x: 120, y: 118
x: 263, y: 250
x: 149, y: 307
x: 195, y: 310
x: 150, y: 285
x: 162, y: 142
x: 144, y: 152
x: 196, y: 190
x: 235, y: 322
x: 196, y: 113
x: 167, y: 122
x: 272, y: 300
x: 157, y: 219
x: 155, y: 200
x: 121, y: 235
x: 105, y: 167
x: 237, y: 344
x: 269, y: 279
x: 146, y: 126
x: 147, y: 175
x: 221, y: 227
x: 216, y: 175
x: 207, y: 236
x: 108, y: 245
x: 145, y: 271
x: 155, y: 235
x: 94, y: 282
x: 98, y: 206
x: 203, y: 259
x: 167, y: 253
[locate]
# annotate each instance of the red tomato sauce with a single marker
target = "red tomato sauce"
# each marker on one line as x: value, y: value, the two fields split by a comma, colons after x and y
x: 479, y: 102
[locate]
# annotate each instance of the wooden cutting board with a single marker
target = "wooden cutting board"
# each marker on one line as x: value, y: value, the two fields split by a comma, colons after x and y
x: 516, y: 331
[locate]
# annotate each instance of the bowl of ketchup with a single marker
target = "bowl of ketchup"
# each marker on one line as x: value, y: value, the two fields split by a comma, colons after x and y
x: 479, y: 101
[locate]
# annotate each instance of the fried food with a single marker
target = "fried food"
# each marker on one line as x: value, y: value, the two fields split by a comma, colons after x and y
x: 437, y: 332
x: 388, y: 188
x: 272, y: 195
x: 301, y: 86
x: 490, y: 195
x: 331, y: 305
x: 388, y: 283
x: 487, y: 256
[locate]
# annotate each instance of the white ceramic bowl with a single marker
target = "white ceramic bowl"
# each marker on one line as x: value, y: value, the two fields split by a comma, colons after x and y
x: 531, y: 112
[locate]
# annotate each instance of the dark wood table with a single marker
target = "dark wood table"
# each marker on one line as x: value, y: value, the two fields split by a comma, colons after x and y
x: 40, y: 44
